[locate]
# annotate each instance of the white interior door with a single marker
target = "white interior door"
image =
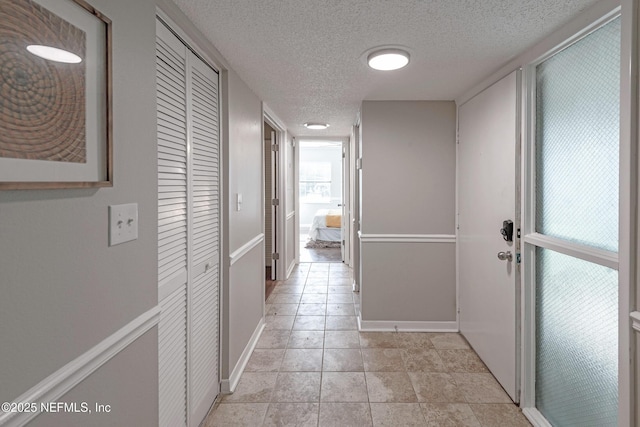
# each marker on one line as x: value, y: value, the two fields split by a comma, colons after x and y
x: 487, y: 165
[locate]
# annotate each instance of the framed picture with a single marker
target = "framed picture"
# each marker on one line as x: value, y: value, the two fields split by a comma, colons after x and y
x: 55, y: 95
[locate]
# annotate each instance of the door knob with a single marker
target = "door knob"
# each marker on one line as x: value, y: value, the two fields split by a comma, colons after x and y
x: 505, y: 256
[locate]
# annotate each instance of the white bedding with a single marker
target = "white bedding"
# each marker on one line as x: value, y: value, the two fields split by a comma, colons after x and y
x: 319, y: 229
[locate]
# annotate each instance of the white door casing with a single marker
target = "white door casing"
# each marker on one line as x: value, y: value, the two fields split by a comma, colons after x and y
x: 489, y: 136
x: 273, y: 155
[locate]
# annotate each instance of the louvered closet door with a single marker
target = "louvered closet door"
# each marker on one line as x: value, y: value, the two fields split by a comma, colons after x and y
x: 205, y: 225
x: 171, y: 80
x: 188, y: 232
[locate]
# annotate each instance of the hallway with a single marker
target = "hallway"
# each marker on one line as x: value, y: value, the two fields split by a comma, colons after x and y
x: 311, y: 367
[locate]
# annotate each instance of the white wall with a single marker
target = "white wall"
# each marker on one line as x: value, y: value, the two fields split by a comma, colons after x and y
x: 408, y: 192
x: 333, y: 156
x: 64, y: 290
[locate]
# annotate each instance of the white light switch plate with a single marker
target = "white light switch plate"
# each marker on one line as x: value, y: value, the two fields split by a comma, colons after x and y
x: 123, y: 223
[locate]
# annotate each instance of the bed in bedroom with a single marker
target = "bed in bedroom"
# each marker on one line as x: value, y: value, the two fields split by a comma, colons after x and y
x: 326, y: 229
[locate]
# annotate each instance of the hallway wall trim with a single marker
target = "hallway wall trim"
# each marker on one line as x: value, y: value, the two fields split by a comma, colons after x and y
x: 635, y: 319
x: 228, y: 386
x: 405, y: 326
x: 245, y: 249
x: 56, y: 385
x: 407, y: 238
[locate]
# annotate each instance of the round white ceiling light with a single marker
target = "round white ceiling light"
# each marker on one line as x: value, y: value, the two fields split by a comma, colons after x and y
x: 388, y: 59
x: 54, y: 54
x: 316, y: 126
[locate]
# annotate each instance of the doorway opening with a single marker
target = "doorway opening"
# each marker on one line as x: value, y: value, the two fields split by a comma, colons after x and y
x: 270, y: 205
x: 320, y: 183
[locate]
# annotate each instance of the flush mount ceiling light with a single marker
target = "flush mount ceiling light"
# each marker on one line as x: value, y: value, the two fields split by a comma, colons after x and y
x: 316, y: 126
x: 54, y: 54
x: 388, y: 59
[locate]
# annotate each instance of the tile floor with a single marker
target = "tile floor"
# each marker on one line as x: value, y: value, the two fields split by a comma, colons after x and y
x: 311, y: 367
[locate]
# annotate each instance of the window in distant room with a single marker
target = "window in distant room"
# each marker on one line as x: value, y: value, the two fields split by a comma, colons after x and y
x: 315, y: 182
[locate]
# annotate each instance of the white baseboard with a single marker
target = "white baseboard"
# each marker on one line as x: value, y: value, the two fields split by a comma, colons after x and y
x: 535, y: 417
x: 56, y: 385
x: 405, y: 326
x: 228, y: 386
x: 290, y: 269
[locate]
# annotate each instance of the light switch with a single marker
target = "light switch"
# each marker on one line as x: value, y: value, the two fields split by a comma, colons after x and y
x: 238, y: 202
x: 123, y: 223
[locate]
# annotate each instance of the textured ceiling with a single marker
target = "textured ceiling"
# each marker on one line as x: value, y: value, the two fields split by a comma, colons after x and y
x: 304, y: 58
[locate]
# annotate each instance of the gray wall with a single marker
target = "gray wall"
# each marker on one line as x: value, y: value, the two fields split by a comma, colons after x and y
x: 64, y: 290
x: 408, y: 188
x: 245, y: 307
x: 290, y: 202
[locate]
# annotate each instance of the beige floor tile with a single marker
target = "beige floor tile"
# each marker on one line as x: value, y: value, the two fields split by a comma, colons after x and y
x: 296, y: 279
x: 415, y: 340
x: 461, y: 361
x: 297, y: 387
x: 282, y: 309
x: 340, y: 287
x: 340, y: 309
x: 313, y: 298
x: 237, y: 415
x: 285, y: 288
x: 343, y: 387
x: 499, y: 415
x: 302, y: 360
x: 378, y: 340
x: 312, y: 309
x: 342, y: 323
x: 421, y: 360
x: 273, y: 339
x: 449, y: 414
x: 317, y: 281
x: 284, y: 298
x: 449, y: 341
x: 306, y: 339
x: 382, y: 360
x: 342, y: 360
x: 265, y: 360
x: 345, y: 415
x: 341, y: 339
x: 340, y: 298
x: 397, y: 414
x: 278, y: 322
x: 292, y: 414
x: 253, y: 387
x: 309, y: 323
x: 315, y: 289
x: 390, y: 387
x: 480, y: 388
x: 436, y: 388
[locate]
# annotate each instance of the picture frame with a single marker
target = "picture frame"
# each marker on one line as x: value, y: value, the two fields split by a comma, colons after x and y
x: 55, y: 111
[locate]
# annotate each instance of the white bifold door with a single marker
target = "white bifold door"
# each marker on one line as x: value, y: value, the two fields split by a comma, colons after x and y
x: 487, y: 201
x: 188, y: 232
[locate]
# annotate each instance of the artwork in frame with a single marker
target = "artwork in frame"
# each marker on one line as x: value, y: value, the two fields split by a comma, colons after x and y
x: 55, y: 95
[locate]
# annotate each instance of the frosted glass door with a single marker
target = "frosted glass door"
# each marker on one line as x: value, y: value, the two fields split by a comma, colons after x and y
x: 576, y: 227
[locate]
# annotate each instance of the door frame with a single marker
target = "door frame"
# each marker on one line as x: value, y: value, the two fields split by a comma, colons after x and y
x: 278, y: 220
x: 626, y: 256
x: 345, y: 142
